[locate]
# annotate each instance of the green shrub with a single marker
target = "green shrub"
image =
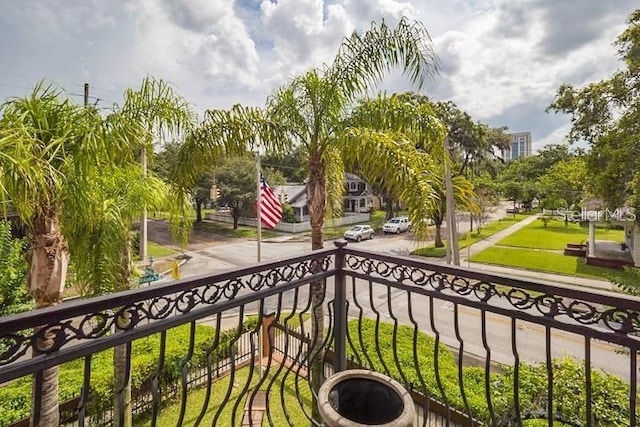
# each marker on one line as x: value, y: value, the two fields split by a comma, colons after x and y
x: 14, y: 297
x: 15, y: 397
x: 610, y: 395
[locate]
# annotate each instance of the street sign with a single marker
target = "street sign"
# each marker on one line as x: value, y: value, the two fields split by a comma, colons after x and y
x: 150, y: 275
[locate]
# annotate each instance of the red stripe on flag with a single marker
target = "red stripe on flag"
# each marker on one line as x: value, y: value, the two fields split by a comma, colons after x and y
x: 270, y: 209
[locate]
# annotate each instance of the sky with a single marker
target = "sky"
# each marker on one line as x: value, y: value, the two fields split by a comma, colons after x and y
x: 501, y: 61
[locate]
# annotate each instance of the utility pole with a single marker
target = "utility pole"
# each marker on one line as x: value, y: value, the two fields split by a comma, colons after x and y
x: 86, y: 95
x: 143, y: 219
x: 258, y: 209
x: 452, y: 244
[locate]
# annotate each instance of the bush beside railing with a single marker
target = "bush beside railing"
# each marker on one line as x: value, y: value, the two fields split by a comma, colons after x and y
x: 15, y: 398
x: 394, y: 356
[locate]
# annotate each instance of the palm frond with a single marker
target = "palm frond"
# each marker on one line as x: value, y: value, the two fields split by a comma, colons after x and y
x: 363, y: 60
x: 390, y: 160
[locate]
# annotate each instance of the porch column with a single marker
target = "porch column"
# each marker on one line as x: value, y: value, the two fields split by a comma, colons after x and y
x: 592, y: 239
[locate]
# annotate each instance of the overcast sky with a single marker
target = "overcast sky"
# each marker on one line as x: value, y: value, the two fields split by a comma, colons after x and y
x: 501, y: 60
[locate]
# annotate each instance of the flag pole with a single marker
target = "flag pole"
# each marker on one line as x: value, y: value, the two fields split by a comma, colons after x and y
x: 258, y: 203
x: 259, y: 229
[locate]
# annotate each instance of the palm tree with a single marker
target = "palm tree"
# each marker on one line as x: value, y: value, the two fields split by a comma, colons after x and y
x: 47, y: 143
x: 310, y: 111
x: 122, y: 190
x: 53, y: 155
x: 102, y: 251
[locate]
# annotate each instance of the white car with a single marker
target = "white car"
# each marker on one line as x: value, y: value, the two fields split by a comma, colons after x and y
x: 359, y: 232
x: 397, y: 225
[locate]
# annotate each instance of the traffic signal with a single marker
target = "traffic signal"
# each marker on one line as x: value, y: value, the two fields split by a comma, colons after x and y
x: 215, y: 193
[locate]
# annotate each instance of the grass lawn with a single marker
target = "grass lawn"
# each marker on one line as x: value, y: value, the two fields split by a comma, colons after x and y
x: 485, y: 231
x: 228, y: 417
x: 157, y: 251
x: 556, y: 235
x: 227, y: 230
x: 546, y: 261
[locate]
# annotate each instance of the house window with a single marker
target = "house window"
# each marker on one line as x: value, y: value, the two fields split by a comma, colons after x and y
x: 362, y: 203
x: 352, y: 186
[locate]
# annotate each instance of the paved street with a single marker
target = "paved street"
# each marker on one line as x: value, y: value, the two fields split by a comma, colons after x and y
x: 530, y: 338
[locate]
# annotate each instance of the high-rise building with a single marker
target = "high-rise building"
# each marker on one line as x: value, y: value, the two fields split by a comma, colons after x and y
x: 520, y: 146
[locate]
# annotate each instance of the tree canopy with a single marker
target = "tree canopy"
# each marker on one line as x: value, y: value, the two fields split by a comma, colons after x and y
x: 606, y: 114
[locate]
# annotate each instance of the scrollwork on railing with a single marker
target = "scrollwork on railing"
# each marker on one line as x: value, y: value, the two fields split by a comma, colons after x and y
x: 615, y: 320
x: 53, y: 336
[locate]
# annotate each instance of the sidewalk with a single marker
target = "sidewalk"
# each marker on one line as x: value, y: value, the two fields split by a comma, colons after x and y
x: 526, y: 274
x: 495, y: 238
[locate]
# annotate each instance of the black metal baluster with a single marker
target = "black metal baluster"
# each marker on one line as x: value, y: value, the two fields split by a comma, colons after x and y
x: 243, y: 392
x: 416, y: 363
x: 263, y: 376
x: 516, y: 371
x: 86, y: 388
x: 633, y: 374
x: 122, y: 387
x: 377, y: 330
x: 394, y: 345
x: 360, y: 317
x: 232, y: 373
x: 340, y: 307
x: 210, y: 350
x: 285, y: 357
x: 185, y: 372
x: 549, y: 376
x: 487, y: 366
x: 456, y: 327
x: 304, y: 352
x: 155, y: 392
x: 436, y: 358
x: 587, y: 372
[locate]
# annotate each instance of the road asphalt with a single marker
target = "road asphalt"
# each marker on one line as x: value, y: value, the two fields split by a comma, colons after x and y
x: 200, y: 243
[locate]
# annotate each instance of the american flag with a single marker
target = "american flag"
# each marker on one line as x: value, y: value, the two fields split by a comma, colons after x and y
x: 270, y: 207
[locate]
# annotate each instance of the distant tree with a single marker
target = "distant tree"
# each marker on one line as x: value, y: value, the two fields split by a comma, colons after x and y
x: 605, y: 114
x: 564, y: 182
x: 202, y: 193
x: 288, y: 214
x: 165, y: 162
x: 236, y: 180
x: 292, y: 165
x: 518, y: 181
x: 486, y: 198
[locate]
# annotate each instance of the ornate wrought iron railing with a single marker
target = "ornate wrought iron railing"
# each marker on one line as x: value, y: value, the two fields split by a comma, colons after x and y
x: 237, y: 347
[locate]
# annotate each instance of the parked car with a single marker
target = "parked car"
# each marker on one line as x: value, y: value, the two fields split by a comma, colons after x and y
x: 359, y: 232
x: 397, y: 225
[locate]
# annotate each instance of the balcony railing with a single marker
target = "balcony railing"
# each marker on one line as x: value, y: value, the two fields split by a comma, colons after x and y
x: 240, y: 347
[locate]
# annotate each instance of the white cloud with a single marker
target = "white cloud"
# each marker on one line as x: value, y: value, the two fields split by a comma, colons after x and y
x: 186, y: 38
x: 303, y: 36
x: 501, y: 60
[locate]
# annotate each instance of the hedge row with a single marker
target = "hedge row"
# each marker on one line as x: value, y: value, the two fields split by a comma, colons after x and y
x: 610, y: 395
x: 15, y: 397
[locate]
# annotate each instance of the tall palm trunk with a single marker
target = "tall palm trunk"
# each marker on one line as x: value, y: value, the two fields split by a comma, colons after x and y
x: 121, y: 376
x: 316, y: 188
x: 438, y: 242
x: 47, y: 274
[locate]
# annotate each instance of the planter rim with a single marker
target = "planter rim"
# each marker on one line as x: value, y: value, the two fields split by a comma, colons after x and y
x: 333, y: 418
